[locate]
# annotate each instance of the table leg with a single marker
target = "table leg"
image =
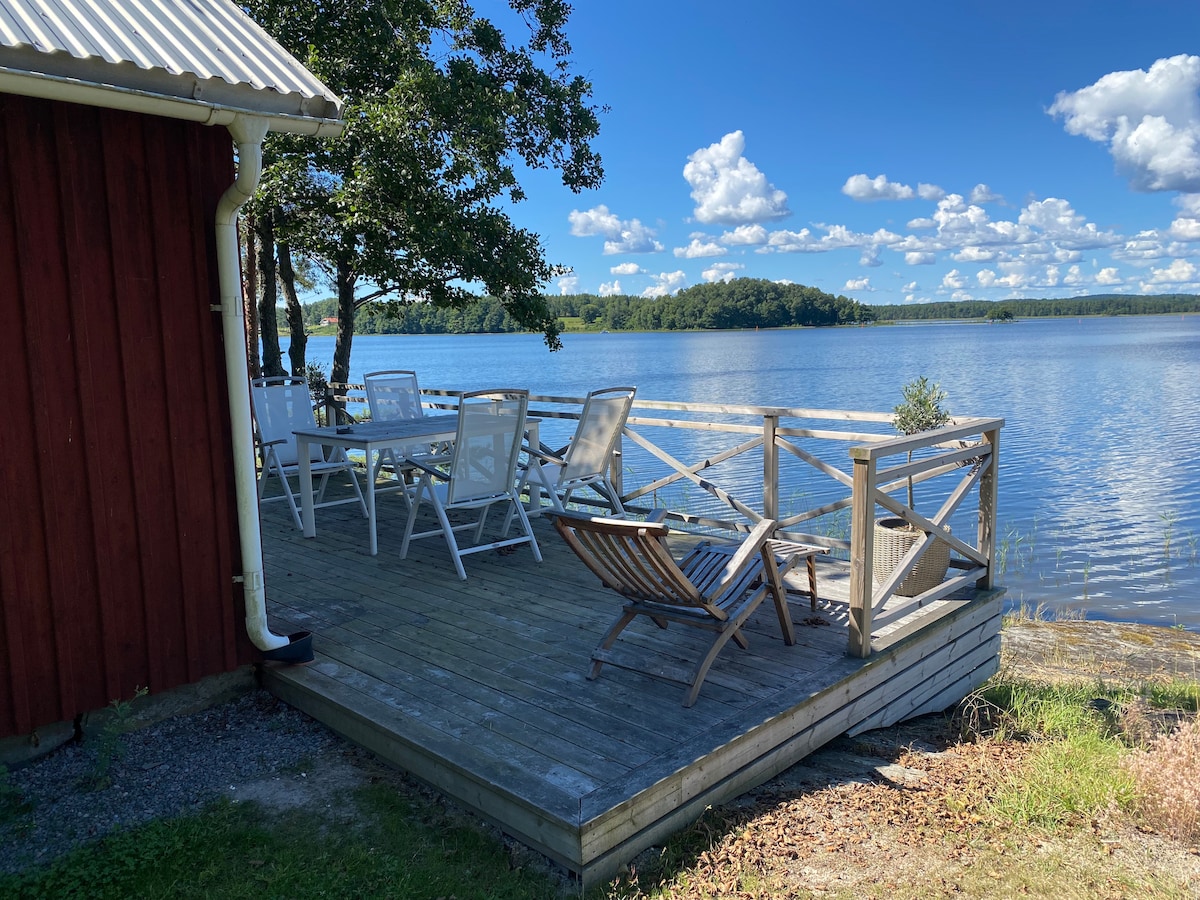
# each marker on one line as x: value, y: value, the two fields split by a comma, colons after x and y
x: 533, y: 435
x: 304, y: 458
x: 374, y: 540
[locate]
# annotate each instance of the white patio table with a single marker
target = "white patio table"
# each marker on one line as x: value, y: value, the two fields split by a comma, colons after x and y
x: 371, y: 438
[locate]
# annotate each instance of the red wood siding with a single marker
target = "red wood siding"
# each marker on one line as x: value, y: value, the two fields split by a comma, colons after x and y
x: 118, y: 533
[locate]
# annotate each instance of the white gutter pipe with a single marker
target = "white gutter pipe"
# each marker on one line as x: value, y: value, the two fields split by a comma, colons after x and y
x: 71, y: 90
x: 248, y: 132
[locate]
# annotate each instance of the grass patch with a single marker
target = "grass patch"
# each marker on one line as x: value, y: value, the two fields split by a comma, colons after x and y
x: 390, y: 847
x: 1047, y: 780
x: 1046, y: 795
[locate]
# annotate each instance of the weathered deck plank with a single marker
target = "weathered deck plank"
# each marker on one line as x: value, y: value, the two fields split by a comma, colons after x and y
x: 479, y: 687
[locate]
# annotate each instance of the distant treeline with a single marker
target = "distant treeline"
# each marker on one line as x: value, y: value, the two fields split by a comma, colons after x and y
x: 1096, y: 305
x: 741, y: 303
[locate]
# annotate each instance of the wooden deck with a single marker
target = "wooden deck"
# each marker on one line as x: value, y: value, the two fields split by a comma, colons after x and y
x: 479, y: 687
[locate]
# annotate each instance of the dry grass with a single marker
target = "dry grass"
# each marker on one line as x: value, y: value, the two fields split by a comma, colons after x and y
x: 1167, y: 781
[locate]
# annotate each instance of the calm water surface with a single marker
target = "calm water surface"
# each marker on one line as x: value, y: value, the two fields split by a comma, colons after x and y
x: 1100, y: 475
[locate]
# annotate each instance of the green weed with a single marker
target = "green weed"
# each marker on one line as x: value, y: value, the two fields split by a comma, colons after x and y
x: 108, y: 743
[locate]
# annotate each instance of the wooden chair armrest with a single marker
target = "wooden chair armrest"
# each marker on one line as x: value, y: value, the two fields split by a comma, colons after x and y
x: 750, y: 549
x: 602, y: 523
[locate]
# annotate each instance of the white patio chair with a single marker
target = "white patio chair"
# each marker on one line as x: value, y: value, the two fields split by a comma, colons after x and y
x: 394, y: 395
x: 585, y: 461
x: 282, y: 405
x: 482, y: 473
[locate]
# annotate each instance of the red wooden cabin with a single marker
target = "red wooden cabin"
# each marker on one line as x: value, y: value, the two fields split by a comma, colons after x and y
x: 126, y: 559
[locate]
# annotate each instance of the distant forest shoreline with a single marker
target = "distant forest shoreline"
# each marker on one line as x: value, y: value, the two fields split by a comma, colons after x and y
x: 744, y: 303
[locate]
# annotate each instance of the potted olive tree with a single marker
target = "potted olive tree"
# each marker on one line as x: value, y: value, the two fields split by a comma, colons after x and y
x: 920, y: 410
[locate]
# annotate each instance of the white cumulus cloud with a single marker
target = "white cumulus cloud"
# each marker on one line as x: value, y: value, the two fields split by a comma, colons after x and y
x: 981, y: 193
x: 722, y: 271
x: 748, y: 235
x: 628, y: 268
x: 568, y: 284
x: 920, y: 258
x: 610, y: 288
x: 730, y: 189
x: 973, y: 254
x: 1180, y: 271
x: 1108, y: 275
x: 954, y: 280
x: 699, y: 248
x: 1150, y: 121
x: 860, y: 187
x: 1186, y: 226
x: 857, y: 284
x: 930, y: 192
x: 622, y: 236
x: 665, y: 283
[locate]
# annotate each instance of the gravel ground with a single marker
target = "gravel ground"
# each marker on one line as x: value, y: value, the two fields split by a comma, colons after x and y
x: 251, y: 747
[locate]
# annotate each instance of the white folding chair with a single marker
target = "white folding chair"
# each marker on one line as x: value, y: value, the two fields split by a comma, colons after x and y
x: 482, y: 473
x: 281, y: 406
x: 585, y: 461
x: 394, y: 395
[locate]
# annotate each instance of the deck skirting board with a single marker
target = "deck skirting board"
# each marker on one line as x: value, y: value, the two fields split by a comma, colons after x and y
x: 550, y: 829
x: 615, y: 835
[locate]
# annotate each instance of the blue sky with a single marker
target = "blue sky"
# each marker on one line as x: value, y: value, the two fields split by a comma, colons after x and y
x: 888, y: 152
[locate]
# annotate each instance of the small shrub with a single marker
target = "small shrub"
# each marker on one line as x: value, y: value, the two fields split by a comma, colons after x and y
x: 1167, y: 781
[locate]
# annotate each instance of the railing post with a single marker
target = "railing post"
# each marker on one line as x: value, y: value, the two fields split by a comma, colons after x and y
x: 862, y: 550
x: 330, y: 406
x: 616, y: 466
x: 989, y: 485
x: 770, y: 468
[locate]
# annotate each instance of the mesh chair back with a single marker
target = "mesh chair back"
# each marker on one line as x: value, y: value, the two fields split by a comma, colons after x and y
x: 393, y: 395
x: 491, y: 426
x: 282, y: 405
x: 600, y: 423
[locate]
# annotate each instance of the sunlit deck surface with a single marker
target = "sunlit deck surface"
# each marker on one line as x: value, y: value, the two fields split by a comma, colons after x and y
x: 479, y: 687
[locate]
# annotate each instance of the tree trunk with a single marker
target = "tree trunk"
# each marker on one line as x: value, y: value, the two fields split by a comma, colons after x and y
x: 345, y: 325
x: 268, y: 324
x: 295, y: 313
x: 250, y: 297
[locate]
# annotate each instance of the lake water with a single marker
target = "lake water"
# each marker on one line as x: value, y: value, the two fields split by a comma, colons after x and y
x: 1100, y: 472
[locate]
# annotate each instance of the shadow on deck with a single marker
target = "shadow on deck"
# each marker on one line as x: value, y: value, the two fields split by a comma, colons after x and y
x: 479, y: 687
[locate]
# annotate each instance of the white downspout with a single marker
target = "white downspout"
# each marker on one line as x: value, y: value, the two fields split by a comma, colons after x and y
x: 248, y: 132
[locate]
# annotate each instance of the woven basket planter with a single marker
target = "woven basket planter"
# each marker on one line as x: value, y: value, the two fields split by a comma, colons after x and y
x: 893, y: 539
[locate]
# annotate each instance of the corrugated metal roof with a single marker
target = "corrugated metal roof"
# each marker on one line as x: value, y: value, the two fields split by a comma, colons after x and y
x: 196, y: 50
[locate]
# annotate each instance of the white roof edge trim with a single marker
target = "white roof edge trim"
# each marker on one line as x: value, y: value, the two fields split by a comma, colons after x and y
x: 70, y: 90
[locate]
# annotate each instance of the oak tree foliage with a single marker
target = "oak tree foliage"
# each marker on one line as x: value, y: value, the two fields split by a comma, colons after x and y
x: 443, y: 107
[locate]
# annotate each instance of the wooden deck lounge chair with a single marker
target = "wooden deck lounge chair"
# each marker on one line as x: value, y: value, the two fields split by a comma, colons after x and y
x: 709, y: 588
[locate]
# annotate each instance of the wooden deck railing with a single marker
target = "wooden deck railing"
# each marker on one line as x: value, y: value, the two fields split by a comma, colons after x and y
x: 726, y: 467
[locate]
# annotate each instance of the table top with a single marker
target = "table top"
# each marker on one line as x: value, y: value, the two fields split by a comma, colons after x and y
x: 391, y: 430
